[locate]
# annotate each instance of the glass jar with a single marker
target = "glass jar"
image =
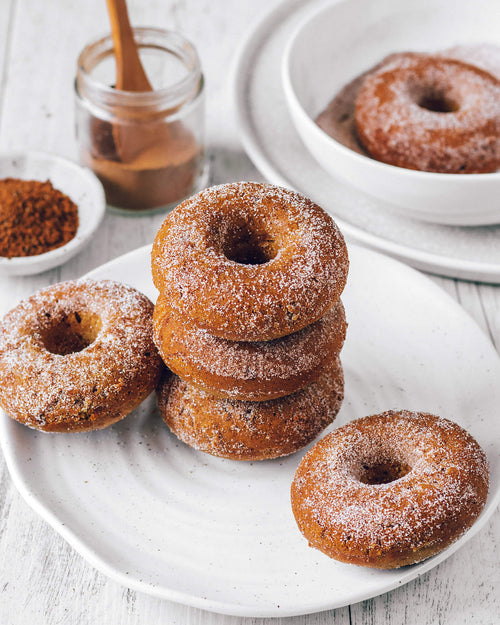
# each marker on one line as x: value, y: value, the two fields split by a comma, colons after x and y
x: 147, y: 147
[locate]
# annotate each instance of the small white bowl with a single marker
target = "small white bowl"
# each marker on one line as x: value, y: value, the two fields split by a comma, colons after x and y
x: 340, y: 41
x: 78, y: 183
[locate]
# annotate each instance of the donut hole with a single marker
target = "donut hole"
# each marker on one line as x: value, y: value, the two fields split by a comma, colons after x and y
x: 70, y: 332
x: 249, y: 244
x: 435, y: 100
x: 382, y: 471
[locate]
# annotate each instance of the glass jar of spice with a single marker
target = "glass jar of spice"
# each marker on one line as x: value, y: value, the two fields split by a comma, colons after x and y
x: 147, y: 147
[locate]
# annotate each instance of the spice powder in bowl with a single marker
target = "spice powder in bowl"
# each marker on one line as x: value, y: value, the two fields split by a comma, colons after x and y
x: 34, y: 218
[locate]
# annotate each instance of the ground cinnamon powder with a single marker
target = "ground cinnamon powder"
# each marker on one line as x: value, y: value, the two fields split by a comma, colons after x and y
x: 154, y: 165
x: 34, y: 217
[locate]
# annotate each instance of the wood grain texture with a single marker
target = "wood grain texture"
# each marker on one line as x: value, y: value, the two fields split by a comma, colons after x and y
x: 42, y: 579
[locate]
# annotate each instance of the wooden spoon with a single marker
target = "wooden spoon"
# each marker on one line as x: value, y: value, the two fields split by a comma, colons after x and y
x: 152, y: 161
x: 130, y: 74
x: 142, y: 143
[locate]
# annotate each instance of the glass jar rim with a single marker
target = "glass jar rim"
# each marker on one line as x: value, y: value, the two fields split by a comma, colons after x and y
x: 177, y: 93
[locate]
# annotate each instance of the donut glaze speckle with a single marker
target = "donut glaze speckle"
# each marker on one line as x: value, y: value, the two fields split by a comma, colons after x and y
x: 251, y: 371
x: 390, y: 490
x: 430, y: 113
x: 249, y: 261
x: 77, y: 356
x: 242, y: 430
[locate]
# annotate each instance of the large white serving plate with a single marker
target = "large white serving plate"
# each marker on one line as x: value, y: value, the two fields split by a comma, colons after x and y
x: 272, y: 142
x: 164, y: 519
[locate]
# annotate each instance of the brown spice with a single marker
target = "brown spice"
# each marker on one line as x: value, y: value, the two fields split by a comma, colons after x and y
x: 34, y: 217
x: 143, y: 165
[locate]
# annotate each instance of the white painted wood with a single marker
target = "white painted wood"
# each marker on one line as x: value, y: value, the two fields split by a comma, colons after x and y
x: 7, y: 7
x: 42, y: 580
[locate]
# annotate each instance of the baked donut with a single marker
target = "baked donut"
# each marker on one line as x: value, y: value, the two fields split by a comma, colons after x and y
x: 255, y: 371
x: 77, y: 356
x: 241, y: 430
x: 390, y: 490
x: 430, y: 113
x: 249, y: 261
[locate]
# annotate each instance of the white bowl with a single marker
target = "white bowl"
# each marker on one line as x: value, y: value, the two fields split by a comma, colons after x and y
x: 343, y: 39
x: 78, y: 183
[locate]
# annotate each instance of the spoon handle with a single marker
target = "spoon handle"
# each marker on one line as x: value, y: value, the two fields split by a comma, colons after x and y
x: 130, y: 74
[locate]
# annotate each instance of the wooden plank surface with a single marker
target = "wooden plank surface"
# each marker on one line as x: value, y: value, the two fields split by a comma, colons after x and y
x: 42, y: 579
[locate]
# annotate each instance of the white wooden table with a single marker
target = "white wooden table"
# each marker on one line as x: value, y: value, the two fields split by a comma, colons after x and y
x: 42, y: 579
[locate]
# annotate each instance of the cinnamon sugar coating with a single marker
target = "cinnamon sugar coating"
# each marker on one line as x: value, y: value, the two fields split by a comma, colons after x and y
x: 390, y: 490
x: 77, y: 356
x: 241, y: 430
x: 249, y: 261
x: 252, y: 371
x: 430, y: 113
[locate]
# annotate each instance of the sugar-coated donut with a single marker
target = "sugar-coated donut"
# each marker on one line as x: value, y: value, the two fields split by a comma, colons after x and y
x: 241, y: 430
x: 249, y: 261
x: 390, y: 490
x: 77, y: 356
x: 252, y: 371
x: 430, y: 113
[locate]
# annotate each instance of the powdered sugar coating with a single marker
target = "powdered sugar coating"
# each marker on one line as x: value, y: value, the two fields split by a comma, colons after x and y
x: 250, y: 302
x: 241, y: 430
x: 393, y: 524
x: 394, y: 125
x: 485, y: 56
x: 252, y: 371
x: 86, y: 389
x: 337, y: 119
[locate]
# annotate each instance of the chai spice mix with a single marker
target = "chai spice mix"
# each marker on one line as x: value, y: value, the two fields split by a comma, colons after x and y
x: 34, y: 217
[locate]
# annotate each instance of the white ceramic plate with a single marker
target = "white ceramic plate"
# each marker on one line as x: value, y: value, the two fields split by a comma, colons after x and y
x: 270, y: 139
x: 341, y: 41
x: 164, y: 519
x: 77, y: 182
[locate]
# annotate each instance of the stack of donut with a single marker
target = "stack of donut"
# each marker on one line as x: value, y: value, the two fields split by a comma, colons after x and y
x: 249, y: 320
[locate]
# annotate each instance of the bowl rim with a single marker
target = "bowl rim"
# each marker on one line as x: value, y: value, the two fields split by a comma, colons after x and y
x: 49, y: 259
x: 332, y: 144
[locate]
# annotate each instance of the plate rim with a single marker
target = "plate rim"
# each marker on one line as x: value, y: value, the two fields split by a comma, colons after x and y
x: 420, y: 259
x: 212, y: 605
